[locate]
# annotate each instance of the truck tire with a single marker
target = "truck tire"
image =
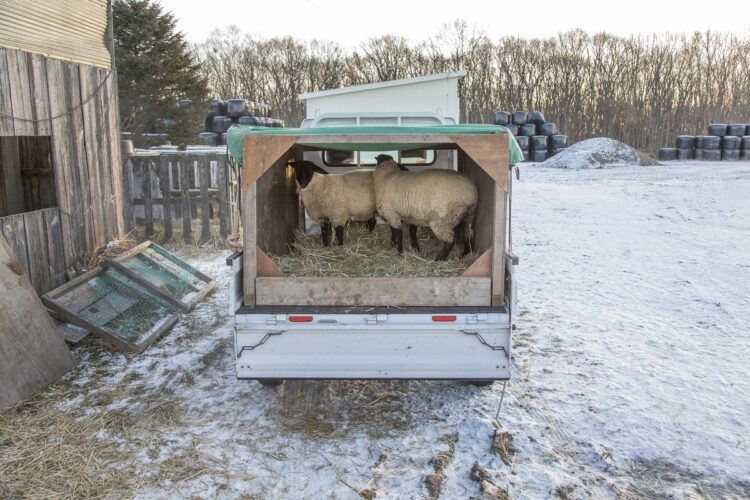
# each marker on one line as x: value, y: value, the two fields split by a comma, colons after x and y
x: 719, y: 129
x: 730, y: 142
x: 539, y: 142
x: 667, y: 154
x: 519, y: 117
x: 711, y: 154
x: 548, y: 129
x: 730, y: 154
x: 558, y: 141
x: 536, y: 117
x: 528, y: 130
x: 481, y: 383
x: 685, y: 153
x: 270, y: 382
x: 502, y: 118
x: 523, y: 142
x: 685, y: 141
x: 736, y: 129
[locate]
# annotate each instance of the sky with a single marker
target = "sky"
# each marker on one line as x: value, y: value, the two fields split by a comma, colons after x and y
x: 352, y: 22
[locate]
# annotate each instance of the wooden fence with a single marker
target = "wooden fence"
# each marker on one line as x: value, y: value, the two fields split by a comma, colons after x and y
x: 188, y: 185
x: 36, y: 238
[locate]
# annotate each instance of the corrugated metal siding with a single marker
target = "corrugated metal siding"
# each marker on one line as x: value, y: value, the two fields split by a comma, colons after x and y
x: 438, y: 96
x: 72, y: 30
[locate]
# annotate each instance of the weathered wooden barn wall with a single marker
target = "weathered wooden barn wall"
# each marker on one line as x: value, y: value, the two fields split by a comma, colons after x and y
x: 75, y: 105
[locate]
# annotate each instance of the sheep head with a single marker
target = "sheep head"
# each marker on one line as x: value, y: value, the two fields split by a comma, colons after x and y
x: 304, y: 171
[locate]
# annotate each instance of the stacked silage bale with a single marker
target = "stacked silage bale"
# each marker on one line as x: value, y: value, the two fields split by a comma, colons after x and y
x: 723, y: 142
x: 537, y: 138
x: 222, y: 114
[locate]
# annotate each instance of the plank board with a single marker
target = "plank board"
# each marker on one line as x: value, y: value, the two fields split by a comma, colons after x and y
x: 373, y: 291
x: 6, y: 106
x: 37, y: 65
x: 20, y: 92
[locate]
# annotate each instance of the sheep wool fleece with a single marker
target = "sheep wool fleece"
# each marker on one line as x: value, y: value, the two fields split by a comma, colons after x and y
x: 439, y: 199
x: 339, y: 199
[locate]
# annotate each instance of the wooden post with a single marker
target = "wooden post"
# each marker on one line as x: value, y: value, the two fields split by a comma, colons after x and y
x: 205, y: 180
x: 148, y: 206
x: 225, y: 206
x: 166, y: 193
x: 187, y: 226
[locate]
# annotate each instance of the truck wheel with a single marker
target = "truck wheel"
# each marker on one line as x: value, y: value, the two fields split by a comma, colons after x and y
x: 482, y: 383
x: 270, y: 382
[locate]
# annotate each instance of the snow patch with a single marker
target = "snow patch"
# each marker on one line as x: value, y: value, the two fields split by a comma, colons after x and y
x: 599, y: 152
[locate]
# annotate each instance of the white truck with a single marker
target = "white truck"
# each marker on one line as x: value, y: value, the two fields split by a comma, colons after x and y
x: 372, y: 328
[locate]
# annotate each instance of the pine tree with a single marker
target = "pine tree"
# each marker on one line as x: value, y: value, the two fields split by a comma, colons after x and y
x: 156, y: 73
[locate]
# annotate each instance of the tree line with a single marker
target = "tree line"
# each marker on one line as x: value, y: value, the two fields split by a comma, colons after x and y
x: 642, y: 90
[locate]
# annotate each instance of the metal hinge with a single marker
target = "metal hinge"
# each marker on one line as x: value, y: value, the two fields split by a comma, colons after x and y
x: 373, y: 319
x: 272, y: 319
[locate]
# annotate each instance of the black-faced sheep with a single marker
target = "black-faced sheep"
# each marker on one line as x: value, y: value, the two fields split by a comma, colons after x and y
x: 335, y: 200
x: 443, y: 200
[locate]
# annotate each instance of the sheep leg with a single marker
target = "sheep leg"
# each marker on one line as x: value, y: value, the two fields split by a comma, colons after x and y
x: 461, y: 233
x: 340, y: 235
x: 400, y: 240
x: 371, y: 224
x: 325, y: 233
x: 413, y: 236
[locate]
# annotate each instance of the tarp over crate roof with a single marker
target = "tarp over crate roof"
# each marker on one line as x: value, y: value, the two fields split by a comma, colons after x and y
x: 236, y: 134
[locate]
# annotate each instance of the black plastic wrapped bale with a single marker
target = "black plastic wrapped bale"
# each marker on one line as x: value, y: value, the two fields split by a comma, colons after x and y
x: 546, y: 129
x: 216, y: 107
x: 744, y: 154
x: 520, y: 117
x: 719, y: 129
x: 685, y: 141
x: 746, y: 142
x: 730, y: 142
x: 523, y: 142
x: 209, y: 138
x: 555, y: 151
x: 730, y: 154
x: 221, y: 124
x: 708, y: 142
x: 711, y: 155
x: 698, y: 154
x: 736, y: 129
x: 536, y: 117
x: 538, y: 155
x: 235, y: 107
x: 685, y: 153
x: 539, y: 142
x: 224, y: 139
x: 513, y: 129
x: 526, y: 155
x: 667, y: 154
x: 528, y: 130
x: 248, y: 120
x: 502, y: 118
x: 747, y: 129
x: 558, y: 141
x: 208, y: 124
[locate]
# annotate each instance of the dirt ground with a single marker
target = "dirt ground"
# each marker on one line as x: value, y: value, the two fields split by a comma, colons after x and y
x: 630, y: 376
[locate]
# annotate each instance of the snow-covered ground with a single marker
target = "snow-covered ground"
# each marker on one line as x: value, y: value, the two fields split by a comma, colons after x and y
x: 630, y: 376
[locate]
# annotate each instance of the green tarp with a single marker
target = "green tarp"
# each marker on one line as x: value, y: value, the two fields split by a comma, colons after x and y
x: 237, y: 132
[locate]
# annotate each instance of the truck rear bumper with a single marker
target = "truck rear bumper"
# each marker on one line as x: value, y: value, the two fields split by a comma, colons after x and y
x: 463, y: 346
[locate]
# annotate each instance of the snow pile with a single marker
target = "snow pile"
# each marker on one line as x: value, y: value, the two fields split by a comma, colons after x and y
x: 599, y: 152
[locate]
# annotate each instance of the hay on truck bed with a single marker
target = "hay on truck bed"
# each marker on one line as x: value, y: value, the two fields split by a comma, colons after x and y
x: 366, y: 254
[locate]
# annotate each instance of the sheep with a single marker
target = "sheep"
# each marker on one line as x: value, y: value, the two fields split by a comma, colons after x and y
x: 335, y: 200
x: 443, y: 200
x: 411, y: 227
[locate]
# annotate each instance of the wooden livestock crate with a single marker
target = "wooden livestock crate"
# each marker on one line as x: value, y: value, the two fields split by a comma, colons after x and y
x: 271, y: 216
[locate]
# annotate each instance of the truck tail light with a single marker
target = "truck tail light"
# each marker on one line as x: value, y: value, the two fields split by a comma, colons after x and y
x: 443, y: 319
x: 300, y: 319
